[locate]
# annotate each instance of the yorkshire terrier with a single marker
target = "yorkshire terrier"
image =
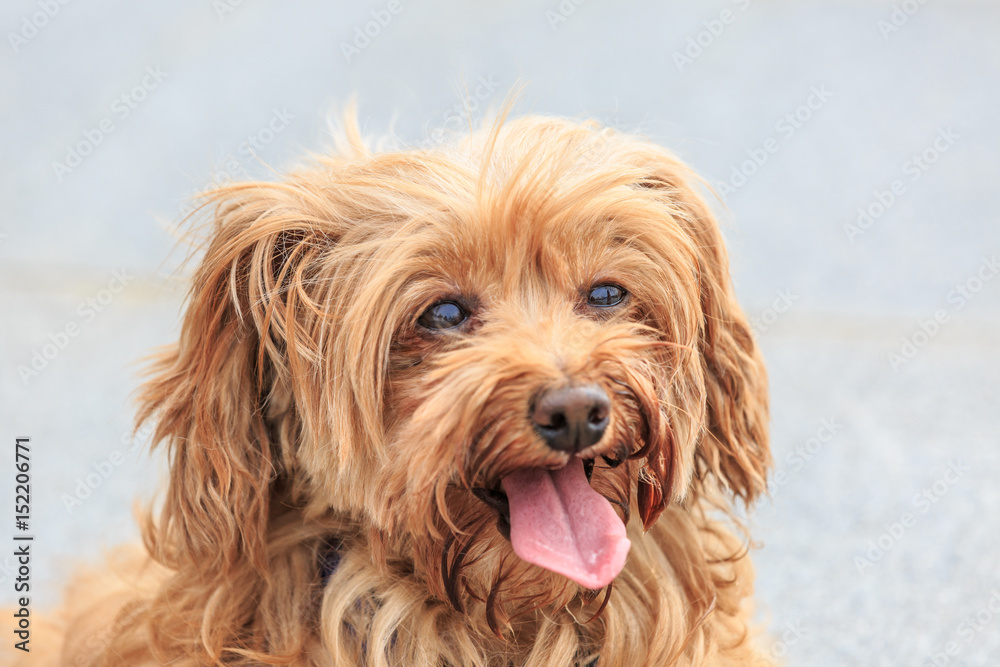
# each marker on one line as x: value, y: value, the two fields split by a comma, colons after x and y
x: 489, y: 403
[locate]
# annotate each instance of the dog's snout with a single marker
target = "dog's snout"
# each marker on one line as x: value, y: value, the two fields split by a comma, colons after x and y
x: 571, y: 419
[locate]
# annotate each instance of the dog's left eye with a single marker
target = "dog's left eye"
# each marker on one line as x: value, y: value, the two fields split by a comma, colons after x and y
x: 444, y: 315
x: 603, y: 296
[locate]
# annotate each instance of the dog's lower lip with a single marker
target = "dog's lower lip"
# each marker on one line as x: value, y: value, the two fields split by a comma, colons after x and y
x: 612, y: 461
x: 495, y: 499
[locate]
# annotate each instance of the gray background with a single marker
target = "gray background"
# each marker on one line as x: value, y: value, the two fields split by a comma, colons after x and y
x: 847, y: 303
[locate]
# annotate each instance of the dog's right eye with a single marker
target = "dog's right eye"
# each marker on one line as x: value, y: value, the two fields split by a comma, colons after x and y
x: 443, y: 315
x: 604, y: 296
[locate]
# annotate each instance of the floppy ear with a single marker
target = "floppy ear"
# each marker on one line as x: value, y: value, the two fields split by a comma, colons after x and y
x: 221, y: 394
x: 734, y: 448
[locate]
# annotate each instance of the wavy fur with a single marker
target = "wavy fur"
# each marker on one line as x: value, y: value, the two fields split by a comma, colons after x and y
x: 304, y: 410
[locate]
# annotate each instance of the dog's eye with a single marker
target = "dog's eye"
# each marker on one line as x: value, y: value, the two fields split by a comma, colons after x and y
x: 603, y: 296
x: 443, y: 315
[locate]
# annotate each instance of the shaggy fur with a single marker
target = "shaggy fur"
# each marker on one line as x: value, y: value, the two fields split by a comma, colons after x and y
x: 308, y: 416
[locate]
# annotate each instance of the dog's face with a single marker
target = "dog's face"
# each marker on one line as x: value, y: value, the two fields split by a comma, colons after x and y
x: 489, y: 353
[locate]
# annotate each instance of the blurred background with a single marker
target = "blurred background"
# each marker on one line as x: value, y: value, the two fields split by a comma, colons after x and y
x: 854, y: 147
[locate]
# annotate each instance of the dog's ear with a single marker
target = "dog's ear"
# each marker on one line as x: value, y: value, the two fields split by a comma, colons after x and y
x: 734, y: 447
x: 221, y: 394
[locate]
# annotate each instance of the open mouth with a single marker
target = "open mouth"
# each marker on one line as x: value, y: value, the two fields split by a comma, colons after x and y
x: 554, y: 519
x: 496, y: 499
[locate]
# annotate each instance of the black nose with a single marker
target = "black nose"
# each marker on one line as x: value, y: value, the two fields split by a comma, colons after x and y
x: 570, y: 419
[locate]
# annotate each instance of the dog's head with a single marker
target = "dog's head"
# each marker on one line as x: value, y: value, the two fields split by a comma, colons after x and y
x: 492, y: 353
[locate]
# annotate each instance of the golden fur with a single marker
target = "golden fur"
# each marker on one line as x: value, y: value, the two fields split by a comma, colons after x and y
x: 304, y: 413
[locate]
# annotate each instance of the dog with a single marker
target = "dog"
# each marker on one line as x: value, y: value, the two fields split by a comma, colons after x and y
x: 486, y: 403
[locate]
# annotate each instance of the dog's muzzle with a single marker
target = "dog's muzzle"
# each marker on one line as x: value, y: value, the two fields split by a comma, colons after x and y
x: 553, y: 518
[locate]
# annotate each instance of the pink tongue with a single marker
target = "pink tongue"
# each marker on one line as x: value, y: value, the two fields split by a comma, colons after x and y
x: 558, y: 522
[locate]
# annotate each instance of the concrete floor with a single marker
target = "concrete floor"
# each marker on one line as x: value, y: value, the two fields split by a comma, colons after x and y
x: 881, y: 542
